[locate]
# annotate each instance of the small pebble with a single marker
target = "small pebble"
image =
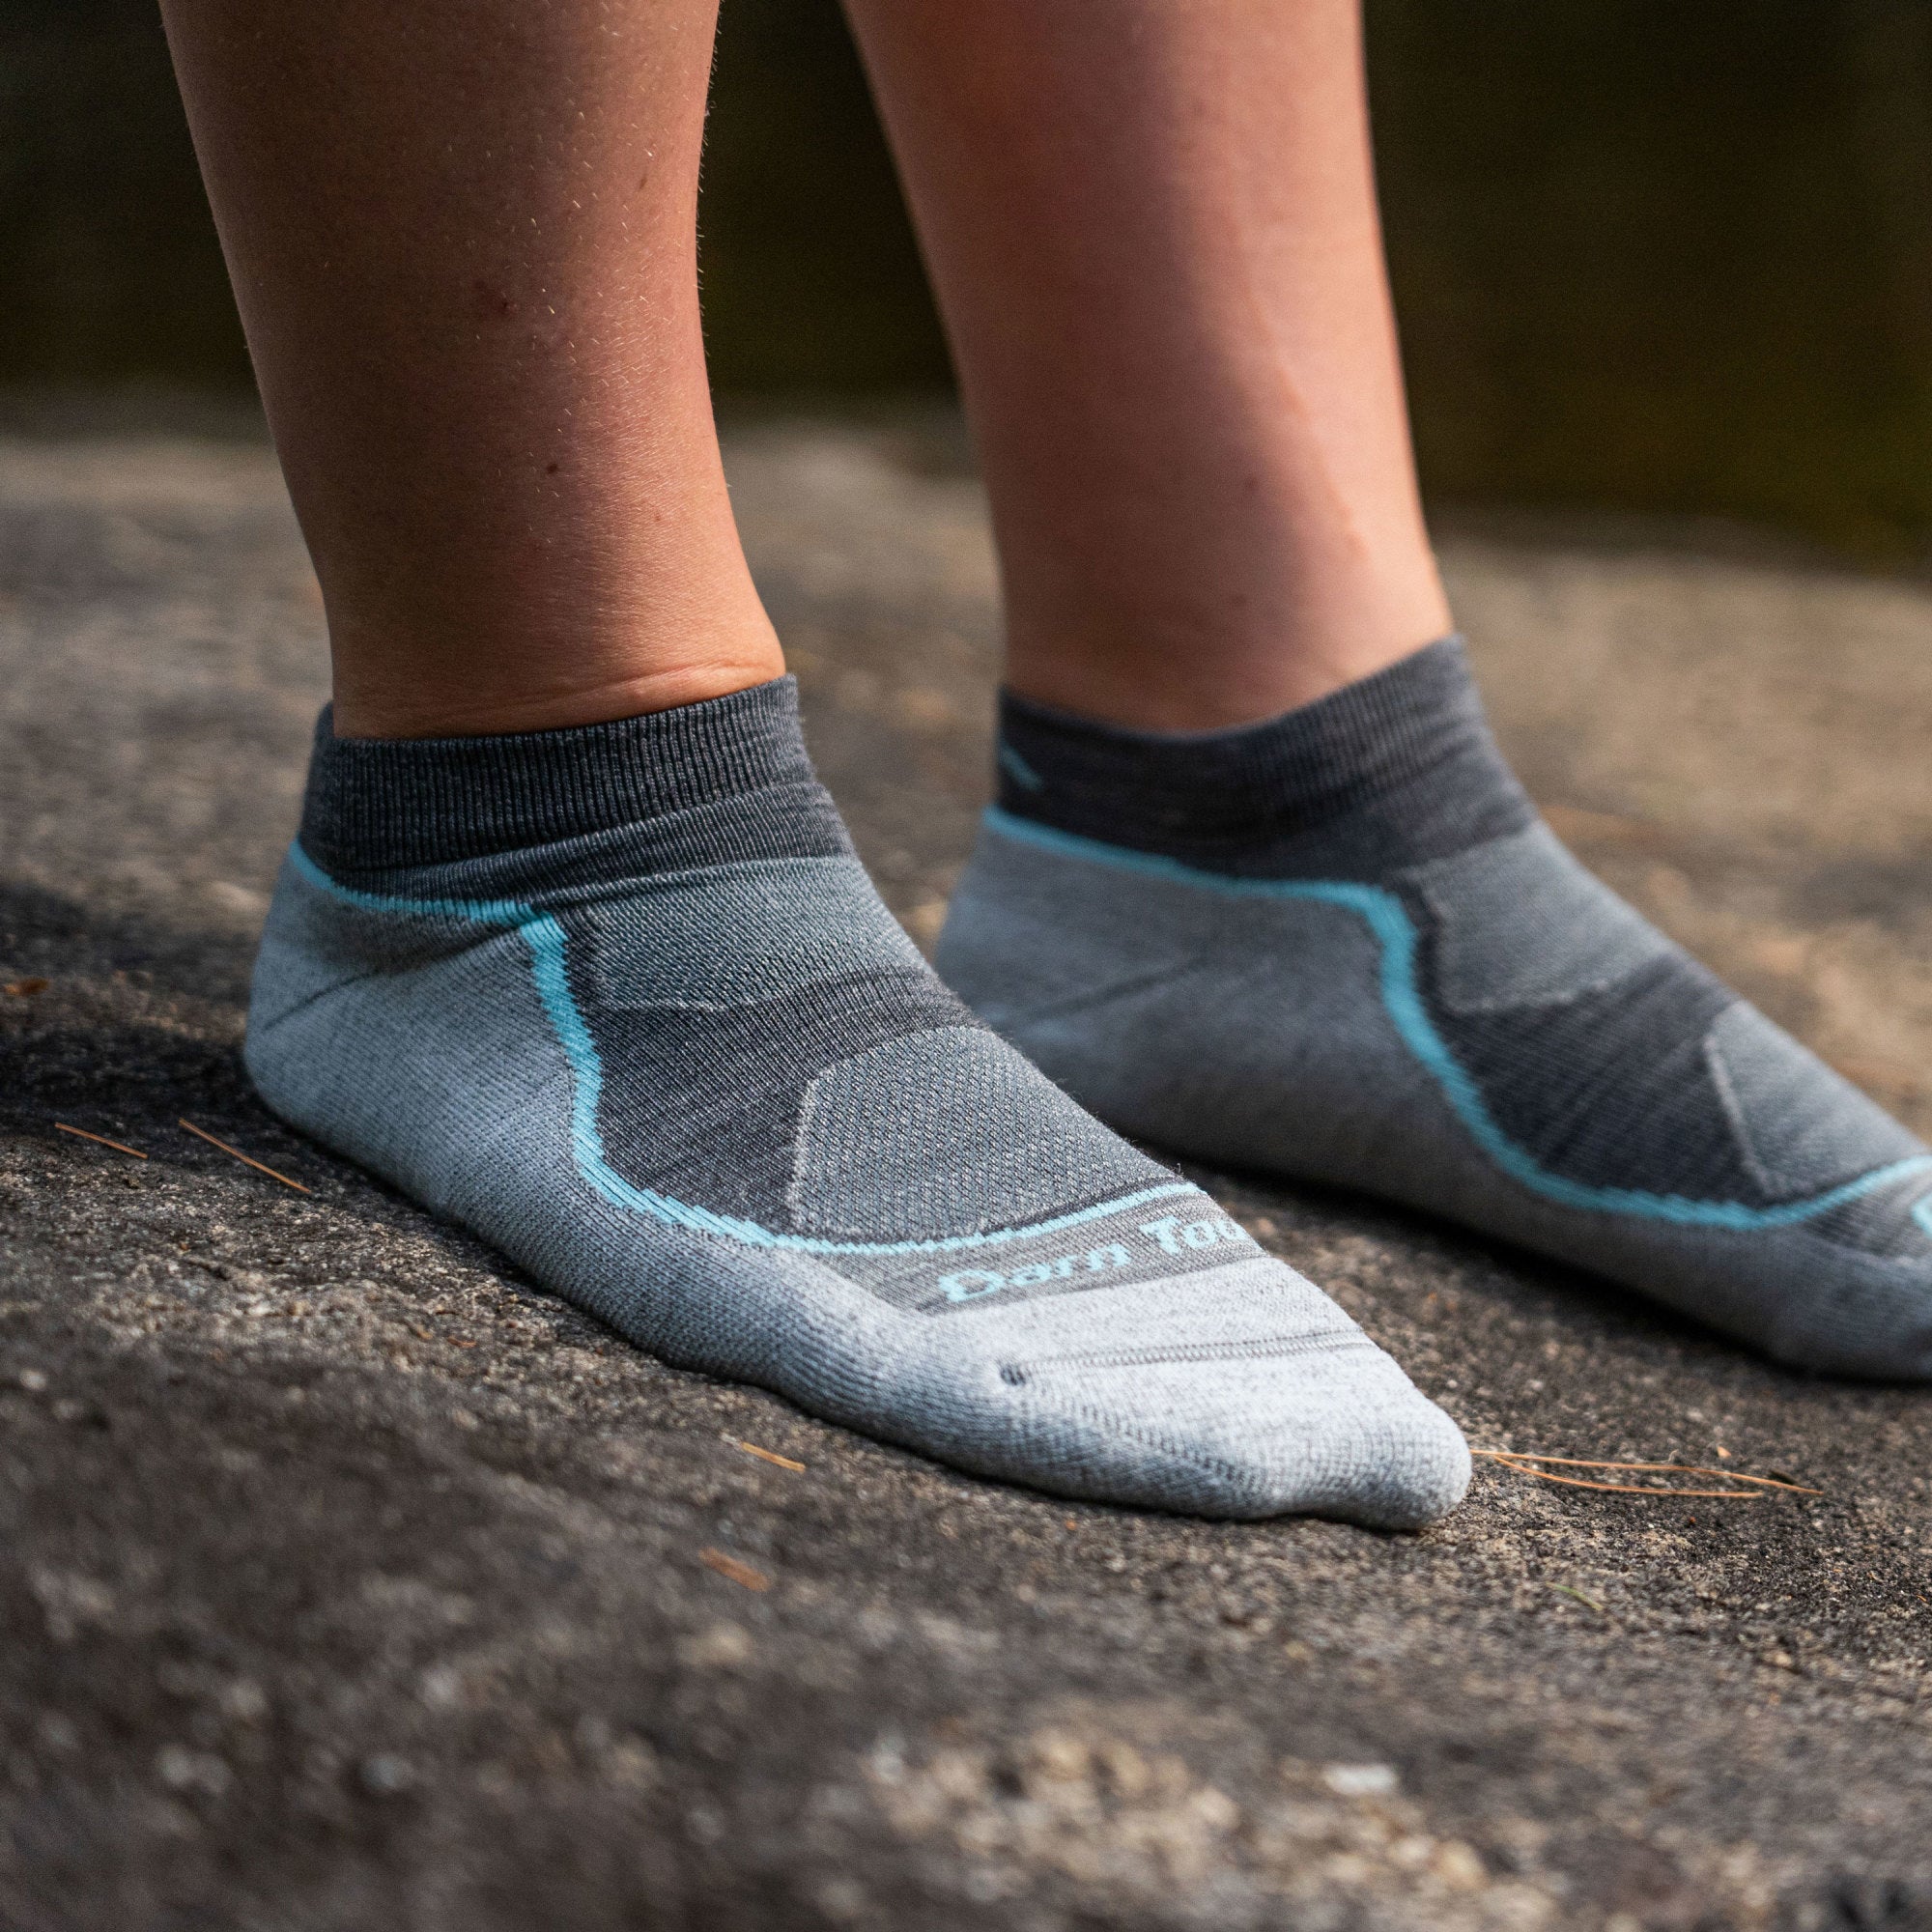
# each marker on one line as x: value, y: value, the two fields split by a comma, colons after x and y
x: 384, y: 1775
x: 1360, y: 1780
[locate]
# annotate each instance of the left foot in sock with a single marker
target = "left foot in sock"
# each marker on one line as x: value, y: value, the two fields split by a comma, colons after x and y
x: 1340, y: 945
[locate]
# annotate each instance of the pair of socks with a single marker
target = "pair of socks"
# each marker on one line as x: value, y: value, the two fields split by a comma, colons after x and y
x: 621, y: 1000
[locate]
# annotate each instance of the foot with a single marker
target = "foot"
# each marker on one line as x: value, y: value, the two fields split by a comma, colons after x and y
x: 621, y: 1000
x: 1341, y: 946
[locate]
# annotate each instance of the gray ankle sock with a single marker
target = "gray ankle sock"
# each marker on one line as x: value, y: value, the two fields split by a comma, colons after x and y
x: 1341, y: 945
x: 621, y: 1000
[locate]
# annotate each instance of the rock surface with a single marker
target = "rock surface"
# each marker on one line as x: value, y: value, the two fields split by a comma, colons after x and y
x: 347, y: 1581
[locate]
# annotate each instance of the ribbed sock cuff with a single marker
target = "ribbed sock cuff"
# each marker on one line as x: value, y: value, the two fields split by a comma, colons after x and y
x: 376, y: 803
x: 1195, y: 792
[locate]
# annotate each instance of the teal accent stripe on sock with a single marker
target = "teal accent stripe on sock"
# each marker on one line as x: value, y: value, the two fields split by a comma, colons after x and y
x: 1395, y: 932
x: 1921, y: 1213
x: 544, y: 938
x: 1018, y: 769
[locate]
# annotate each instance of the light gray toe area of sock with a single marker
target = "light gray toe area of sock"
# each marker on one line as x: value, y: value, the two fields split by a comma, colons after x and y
x: 1249, y: 1394
x: 1257, y: 1031
x: 1146, y: 1353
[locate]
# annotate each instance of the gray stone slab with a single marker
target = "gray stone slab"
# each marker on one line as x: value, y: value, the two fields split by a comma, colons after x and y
x: 347, y: 1581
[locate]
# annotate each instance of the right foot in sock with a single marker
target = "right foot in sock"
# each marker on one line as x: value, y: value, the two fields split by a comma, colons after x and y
x: 621, y: 1000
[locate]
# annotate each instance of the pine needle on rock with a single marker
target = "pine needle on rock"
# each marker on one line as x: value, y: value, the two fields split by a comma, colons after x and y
x: 100, y: 1140
x: 1524, y: 1462
x: 246, y: 1160
x: 741, y: 1574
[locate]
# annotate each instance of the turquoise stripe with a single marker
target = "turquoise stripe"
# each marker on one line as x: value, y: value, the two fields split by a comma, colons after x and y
x: 544, y: 938
x: 1395, y: 933
x: 1018, y: 769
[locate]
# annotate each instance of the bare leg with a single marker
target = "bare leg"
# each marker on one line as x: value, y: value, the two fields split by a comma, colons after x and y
x: 462, y: 233
x: 1153, y: 231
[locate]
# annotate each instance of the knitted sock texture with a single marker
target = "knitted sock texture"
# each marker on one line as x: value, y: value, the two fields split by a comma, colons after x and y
x: 1342, y: 943
x: 622, y: 999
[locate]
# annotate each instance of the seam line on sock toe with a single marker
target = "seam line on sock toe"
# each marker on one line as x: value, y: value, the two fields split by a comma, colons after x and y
x: 1261, y: 1349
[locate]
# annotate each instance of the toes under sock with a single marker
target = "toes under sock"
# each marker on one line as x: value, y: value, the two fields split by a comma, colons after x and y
x: 1342, y: 945
x: 621, y: 1000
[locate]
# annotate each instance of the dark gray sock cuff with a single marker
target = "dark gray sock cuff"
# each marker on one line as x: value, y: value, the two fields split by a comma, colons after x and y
x: 377, y: 803
x: 1191, y: 794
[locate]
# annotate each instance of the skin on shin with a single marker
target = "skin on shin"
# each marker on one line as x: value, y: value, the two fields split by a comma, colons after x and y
x: 1157, y: 251
x: 463, y: 238
x: 462, y: 241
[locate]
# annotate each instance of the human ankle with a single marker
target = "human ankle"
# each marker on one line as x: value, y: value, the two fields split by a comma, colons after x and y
x: 1152, y: 678
x: 388, y: 707
x: 1200, y: 796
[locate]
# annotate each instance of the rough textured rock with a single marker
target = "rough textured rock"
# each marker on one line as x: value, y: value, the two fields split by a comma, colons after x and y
x: 345, y: 1579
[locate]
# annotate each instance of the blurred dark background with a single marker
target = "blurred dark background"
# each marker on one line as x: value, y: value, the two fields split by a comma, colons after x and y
x: 1648, y: 255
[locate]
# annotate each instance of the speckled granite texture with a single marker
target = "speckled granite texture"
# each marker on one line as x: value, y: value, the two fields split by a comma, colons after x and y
x: 346, y: 1579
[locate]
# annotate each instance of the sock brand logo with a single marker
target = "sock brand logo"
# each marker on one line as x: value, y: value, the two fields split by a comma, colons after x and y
x: 1174, y: 1234
x: 1171, y: 1235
